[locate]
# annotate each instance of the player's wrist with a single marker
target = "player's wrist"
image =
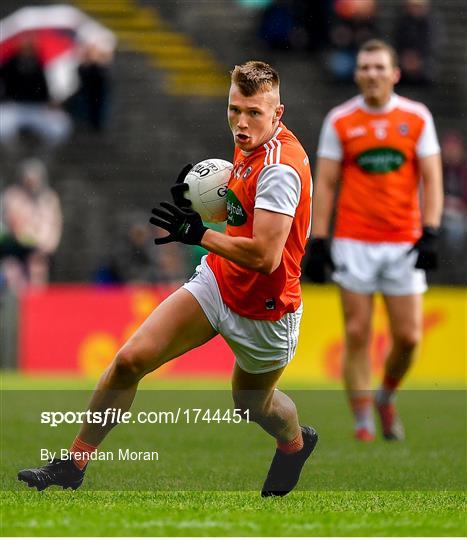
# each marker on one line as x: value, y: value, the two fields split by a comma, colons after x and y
x: 431, y: 230
x: 324, y: 240
x: 201, y: 233
x: 206, y: 239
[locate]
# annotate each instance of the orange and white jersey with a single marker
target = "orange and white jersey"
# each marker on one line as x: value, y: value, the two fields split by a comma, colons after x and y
x: 379, y: 151
x: 274, y: 177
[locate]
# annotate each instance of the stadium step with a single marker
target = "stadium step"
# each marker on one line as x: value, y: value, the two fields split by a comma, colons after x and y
x: 191, y: 71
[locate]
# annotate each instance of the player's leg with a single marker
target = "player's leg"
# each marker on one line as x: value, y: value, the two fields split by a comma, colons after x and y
x: 177, y: 325
x: 405, y: 320
x: 358, y: 310
x: 273, y: 410
x: 276, y: 413
x: 357, y: 269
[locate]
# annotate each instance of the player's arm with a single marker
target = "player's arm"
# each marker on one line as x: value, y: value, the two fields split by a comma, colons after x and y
x: 324, y: 191
x: 262, y: 252
x: 328, y: 173
x: 427, y: 245
x: 430, y: 168
x: 319, y: 254
x: 432, y: 176
x: 277, y: 196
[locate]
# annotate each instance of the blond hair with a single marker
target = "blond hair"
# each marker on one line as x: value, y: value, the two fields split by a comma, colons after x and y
x: 380, y: 45
x: 254, y: 76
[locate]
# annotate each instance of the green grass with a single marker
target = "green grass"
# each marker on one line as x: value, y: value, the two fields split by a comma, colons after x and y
x: 233, y: 514
x: 207, y: 480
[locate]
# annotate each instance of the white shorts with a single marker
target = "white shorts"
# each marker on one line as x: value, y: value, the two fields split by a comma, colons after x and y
x: 259, y: 346
x: 368, y: 267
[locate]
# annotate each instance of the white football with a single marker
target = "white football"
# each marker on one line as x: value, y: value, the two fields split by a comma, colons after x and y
x: 207, y: 182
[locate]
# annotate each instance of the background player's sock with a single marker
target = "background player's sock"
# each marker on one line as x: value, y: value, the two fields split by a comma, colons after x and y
x: 292, y: 446
x: 387, y: 391
x: 361, y: 404
x: 80, y: 447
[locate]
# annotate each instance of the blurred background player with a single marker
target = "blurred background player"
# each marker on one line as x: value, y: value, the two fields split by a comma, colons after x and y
x: 376, y: 146
x: 247, y: 289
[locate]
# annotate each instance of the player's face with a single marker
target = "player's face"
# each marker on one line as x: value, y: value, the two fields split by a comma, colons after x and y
x: 376, y: 76
x: 253, y: 119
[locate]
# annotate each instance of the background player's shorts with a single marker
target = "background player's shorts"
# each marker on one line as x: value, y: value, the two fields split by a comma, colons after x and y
x: 259, y: 346
x: 367, y: 267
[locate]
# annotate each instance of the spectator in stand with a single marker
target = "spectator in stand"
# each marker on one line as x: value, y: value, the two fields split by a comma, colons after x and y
x: 454, y: 224
x: 354, y: 23
x: 295, y: 24
x: 314, y: 18
x: 277, y: 25
x: 415, y: 38
x: 92, y: 100
x: 136, y: 261
x: 26, y: 103
x: 31, y: 225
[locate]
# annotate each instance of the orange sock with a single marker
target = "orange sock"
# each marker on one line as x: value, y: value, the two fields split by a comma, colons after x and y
x: 361, y: 405
x: 293, y: 446
x: 80, y: 452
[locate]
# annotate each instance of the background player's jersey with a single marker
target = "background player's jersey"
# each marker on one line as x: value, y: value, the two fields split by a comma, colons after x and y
x: 379, y: 151
x: 275, y: 177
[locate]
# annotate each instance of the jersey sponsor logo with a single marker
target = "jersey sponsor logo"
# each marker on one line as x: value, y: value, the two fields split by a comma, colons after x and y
x: 236, y: 214
x: 357, y: 131
x: 381, y: 160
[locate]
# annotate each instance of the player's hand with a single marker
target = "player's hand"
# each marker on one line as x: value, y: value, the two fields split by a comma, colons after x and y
x: 180, y: 188
x: 183, y: 224
x: 427, y: 248
x: 319, y: 258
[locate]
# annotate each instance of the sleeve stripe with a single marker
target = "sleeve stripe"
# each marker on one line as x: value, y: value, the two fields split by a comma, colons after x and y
x: 273, y: 152
x: 275, y: 145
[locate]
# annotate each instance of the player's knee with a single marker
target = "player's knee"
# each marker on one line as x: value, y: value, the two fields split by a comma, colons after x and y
x: 129, y: 364
x: 408, y: 339
x: 357, y: 336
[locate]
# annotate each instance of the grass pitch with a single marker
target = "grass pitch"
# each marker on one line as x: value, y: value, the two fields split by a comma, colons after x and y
x: 233, y: 514
x: 207, y: 480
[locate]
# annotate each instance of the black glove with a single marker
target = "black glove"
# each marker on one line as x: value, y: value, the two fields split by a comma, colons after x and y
x: 319, y: 257
x: 427, y: 248
x: 183, y: 224
x: 179, y: 188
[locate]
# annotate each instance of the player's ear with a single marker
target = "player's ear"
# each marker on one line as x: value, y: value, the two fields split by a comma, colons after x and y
x: 278, y: 113
x: 397, y: 75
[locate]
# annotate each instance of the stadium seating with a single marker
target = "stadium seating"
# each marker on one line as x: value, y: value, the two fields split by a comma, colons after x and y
x: 156, y: 127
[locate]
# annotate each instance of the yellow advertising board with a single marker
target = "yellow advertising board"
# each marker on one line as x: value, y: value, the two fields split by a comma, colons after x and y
x: 441, y: 359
